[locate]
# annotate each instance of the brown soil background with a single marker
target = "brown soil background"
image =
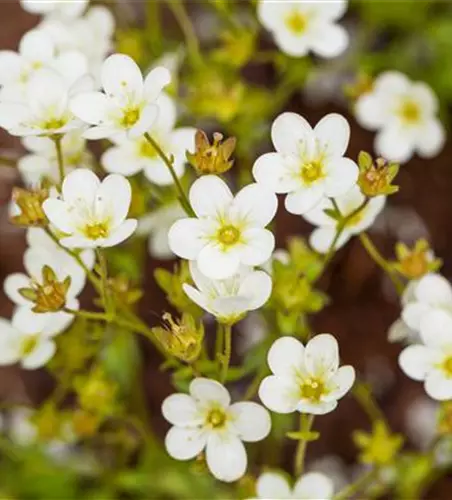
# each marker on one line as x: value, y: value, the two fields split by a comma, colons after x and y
x: 362, y: 309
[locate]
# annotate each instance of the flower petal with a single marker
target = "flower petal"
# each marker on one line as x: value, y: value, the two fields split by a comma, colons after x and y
x: 416, y: 361
x: 303, y: 200
x: 342, y: 174
x: 113, y: 198
x: 251, y: 420
x: 12, y: 284
x: 291, y: 133
x: 120, y: 233
x: 434, y: 289
x: 342, y: 381
x: 394, y: 144
x: 321, y: 408
x: 286, y: 356
x: 271, y: 171
x: 272, y: 485
x: 43, y: 352
x: 329, y: 40
x: 279, y: 394
x: 226, y: 457
x: 120, y: 160
x: 184, y: 444
x: 370, y: 112
x: 218, y: 264
x: 321, y: 239
x: 121, y: 76
x: 210, y: 196
x: 254, y: 205
x: 333, y: 134
x: 436, y: 328
x: 155, y: 82
x: 258, y: 247
x: 206, y: 391
x: 315, y: 486
x: 257, y: 288
x: 198, y: 298
x: 321, y: 355
x: 438, y: 386
x: 181, y: 410
x: 80, y: 187
x: 431, y: 139
x: 91, y: 107
x: 186, y: 238
x: 148, y: 116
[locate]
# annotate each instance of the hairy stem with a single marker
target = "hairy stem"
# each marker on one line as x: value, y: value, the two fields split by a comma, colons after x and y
x: 57, y: 140
x: 226, y: 358
x: 306, y: 422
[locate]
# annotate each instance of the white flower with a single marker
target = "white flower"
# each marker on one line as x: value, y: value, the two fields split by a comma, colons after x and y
x: 45, y: 110
x: 303, y: 26
x: 430, y: 293
x: 309, y: 163
x: 432, y: 362
x: 56, y: 8
x: 130, y: 156
x: 157, y: 225
x: 322, y: 237
x: 27, y: 339
x: 42, y: 163
x: 127, y: 103
x: 229, y: 299
x: 405, y: 115
x: 305, y: 379
x: 228, y: 231
x: 92, y: 213
x: 310, y: 486
x: 37, y: 51
x: 205, y: 419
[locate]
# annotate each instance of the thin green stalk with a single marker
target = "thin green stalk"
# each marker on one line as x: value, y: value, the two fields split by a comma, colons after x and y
x: 226, y: 358
x: 360, y: 484
x: 306, y: 422
x: 105, y: 291
x: 90, y: 315
x: 376, y: 256
x: 57, y: 140
x: 7, y: 162
x: 169, y: 163
x: 178, y: 9
x: 366, y: 400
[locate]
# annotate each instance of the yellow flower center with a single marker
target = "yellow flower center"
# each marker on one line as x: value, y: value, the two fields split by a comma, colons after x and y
x: 53, y: 123
x: 312, y: 171
x: 147, y: 150
x: 296, y: 22
x: 410, y: 112
x: 28, y: 345
x: 96, y: 230
x: 228, y: 235
x: 130, y: 117
x: 447, y: 367
x: 216, y: 418
x: 312, y: 389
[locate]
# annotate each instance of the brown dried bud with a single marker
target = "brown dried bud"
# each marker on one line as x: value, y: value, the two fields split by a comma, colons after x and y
x: 30, y: 206
x: 212, y: 158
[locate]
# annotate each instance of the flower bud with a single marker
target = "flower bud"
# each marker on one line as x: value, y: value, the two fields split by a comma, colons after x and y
x: 181, y: 338
x: 212, y: 158
x: 375, y: 177
x: 380, y: 447
x: 415, y: 263
x: 30, y: 205
x: 50, y: 296
x: 96, y: 393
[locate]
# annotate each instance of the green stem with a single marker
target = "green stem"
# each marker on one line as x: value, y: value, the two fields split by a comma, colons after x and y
x: 365, y: 398
x: 169, y: 163
x: 226, y: 358
x: 57, y: 140
x: 254, y: 385
x: 376, y: 256
x: 90, y: 315
x: 306, y: 422
x: 351, y: 490
x: 178, y: 9
x: 7, y: 162
x: 105, y: 291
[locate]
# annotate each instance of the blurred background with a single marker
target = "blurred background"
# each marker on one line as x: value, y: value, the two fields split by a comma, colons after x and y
x: 412, y: 36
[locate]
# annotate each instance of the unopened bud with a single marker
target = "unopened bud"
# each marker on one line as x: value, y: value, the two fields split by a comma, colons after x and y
x: 416, y: 262
x: 375, y: 177
x: 212, y: 158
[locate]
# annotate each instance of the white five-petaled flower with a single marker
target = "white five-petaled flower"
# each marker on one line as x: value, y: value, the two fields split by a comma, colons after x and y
x: 229, y: 299
x: 130, y: 156
x: 45, y: 109
x: 228, y: 231
x: 304, y: 25
x: 42, y: 162
x: 205, y: 419
x: 405, y: 115
x: 432, y: 362
x: 27, y: 339
x: 37, y: 51
x: 67, y: 10
x: 305, y: 378
x: 309, y: 163
x: 92, y: 213
x: 127, y: 104
x: 310, y: 486
x: 322, y: 237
